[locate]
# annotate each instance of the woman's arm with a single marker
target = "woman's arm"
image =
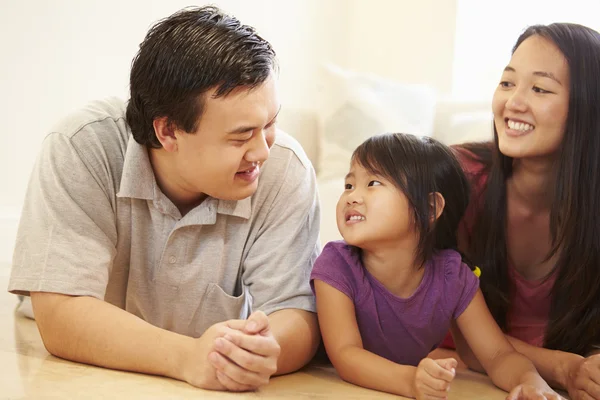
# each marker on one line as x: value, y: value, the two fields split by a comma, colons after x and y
x: 553, y: 365
x: 506, y: 367
x: 344, y: 347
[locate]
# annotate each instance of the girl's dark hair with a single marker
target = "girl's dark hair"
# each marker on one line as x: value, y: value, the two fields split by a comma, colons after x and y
x: 185, y: 55
x: 419, y: 167
x: 574, y: 320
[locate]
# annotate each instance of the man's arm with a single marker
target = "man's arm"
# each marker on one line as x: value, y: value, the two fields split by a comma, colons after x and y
x: 283, y: 249
x: 91, y: 331
x: 297, y: 333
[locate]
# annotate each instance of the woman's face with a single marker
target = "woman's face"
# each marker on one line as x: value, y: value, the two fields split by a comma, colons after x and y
x: 531, y: 102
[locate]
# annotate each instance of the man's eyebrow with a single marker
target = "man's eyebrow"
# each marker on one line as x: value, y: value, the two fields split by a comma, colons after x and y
x: 543, y: 74
x: 248, y: 128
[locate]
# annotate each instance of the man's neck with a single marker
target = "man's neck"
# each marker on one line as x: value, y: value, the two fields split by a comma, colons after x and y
x: 170, y: 183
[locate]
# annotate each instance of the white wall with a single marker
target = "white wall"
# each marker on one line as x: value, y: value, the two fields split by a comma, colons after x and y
x: 486, y: 31
x: 59, y: 54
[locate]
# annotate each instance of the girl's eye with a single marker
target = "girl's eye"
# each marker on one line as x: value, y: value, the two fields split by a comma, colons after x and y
x: 348, y: 186
x: 374, y: 183
x: 539, y: 90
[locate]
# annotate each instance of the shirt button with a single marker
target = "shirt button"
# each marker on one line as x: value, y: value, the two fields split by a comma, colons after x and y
x: 172, y: 259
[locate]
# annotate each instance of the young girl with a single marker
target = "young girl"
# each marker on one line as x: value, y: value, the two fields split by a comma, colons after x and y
x: 389, y: 292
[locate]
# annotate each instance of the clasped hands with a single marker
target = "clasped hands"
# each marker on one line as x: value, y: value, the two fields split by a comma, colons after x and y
x: 234, y: 355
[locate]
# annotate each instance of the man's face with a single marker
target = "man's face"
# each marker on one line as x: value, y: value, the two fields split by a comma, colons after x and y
x: 222, y: 159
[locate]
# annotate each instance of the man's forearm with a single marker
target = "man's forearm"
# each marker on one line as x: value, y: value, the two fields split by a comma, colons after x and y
x: 297, y: 333
x: 91, y: 331
x: 551, y: 364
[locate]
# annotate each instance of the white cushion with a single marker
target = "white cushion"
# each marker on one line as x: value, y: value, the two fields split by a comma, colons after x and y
x: 357, y: 106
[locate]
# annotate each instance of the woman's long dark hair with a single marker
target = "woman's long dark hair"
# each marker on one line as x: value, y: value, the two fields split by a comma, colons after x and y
x: 419, y: 167
x: 574, y: 320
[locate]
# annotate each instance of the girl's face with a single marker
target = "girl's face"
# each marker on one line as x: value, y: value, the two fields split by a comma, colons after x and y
x: 531, y: 102
x: 372, y: 211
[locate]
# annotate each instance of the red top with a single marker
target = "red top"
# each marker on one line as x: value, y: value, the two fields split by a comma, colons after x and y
x: 530, y: 302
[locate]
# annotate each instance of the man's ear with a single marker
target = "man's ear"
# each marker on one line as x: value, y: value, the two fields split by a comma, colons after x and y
x: 436, y: 205
x: 165, y: 133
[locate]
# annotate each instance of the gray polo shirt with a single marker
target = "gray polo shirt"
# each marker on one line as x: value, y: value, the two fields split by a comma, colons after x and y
x: 95, y: 223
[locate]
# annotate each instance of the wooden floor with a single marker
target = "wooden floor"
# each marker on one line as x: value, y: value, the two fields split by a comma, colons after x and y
x: 29, y: 372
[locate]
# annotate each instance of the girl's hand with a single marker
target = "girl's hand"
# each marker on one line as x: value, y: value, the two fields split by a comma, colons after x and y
x: 529, y: 392
x: 433, y: 377
x: 583, y: 378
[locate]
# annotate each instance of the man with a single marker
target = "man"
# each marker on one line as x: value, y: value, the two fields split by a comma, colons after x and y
x: 150, y: 232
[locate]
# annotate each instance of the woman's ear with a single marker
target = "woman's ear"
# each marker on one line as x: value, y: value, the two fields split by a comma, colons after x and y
x: 436, y: 205
x: 165, y: 133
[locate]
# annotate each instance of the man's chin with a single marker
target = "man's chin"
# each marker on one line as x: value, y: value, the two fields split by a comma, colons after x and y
x: 239, y: 194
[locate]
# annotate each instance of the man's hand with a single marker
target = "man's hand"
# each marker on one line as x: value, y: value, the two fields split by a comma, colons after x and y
x: 433, y: 377
x: 247, y: 355
x: 235, y: 355
x: 583, y: 378
x: 198, y: 370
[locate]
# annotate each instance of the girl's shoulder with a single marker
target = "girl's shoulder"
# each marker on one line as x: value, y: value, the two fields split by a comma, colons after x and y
x: 340, y: 249
x: 339, y: 256
x: 450, y: 263
x: 340, y: 266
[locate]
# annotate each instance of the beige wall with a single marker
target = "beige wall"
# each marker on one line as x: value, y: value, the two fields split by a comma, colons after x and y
x: 58, y: 55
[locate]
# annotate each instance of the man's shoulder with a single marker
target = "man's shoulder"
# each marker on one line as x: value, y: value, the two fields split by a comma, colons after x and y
x: 98, y: 118
x: 96, y: 135
x: 288, y: 166
x: 289, y: 149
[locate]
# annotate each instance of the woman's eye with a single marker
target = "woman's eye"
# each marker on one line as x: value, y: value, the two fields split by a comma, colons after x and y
x: 506, y: 84
x: 348, y: 186
x: 539, y: 90
x: 374, y: 183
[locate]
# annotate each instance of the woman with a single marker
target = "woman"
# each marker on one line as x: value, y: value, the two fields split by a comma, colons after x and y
x: 533, y: 225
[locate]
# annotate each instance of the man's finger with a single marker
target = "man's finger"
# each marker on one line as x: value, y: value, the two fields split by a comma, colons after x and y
x: 265, y: 346
x: 245, y: 359
x: 232, y: 385
x: 257, y: 322
x: 235, y: 372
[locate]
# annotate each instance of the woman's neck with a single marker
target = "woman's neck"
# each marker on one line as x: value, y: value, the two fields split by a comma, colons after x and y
x: 394, y: 267
x: 532, y: 183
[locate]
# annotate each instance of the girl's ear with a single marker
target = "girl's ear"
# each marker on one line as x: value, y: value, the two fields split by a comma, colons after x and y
x: 436, y: 205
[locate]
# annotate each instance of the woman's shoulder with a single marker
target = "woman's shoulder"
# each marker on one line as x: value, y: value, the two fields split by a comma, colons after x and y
x: 475, y: 158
